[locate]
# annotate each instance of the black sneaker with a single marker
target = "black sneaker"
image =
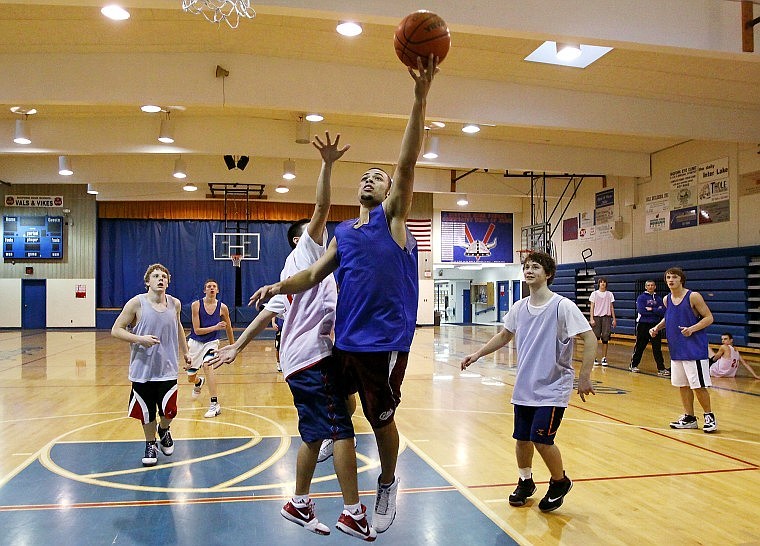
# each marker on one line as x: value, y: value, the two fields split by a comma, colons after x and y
x: 524, y: 489
x: 555, y: 494
x: 710, y: 424
x: 685, y: 421
x: 151, y: 454
x: 165, y: 442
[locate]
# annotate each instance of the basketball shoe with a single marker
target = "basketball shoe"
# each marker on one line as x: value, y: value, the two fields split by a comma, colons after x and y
x: 356, y: 525
x: 524, y: 489
x: 304, y: 515
x: 197, y: 388
x: 165, y: 441
x: 385, y: 505
x: 556, y: 494
x: 665, y: 372
x: 213, y: 410
x: 685, y: 421
x: 710, y: 424
x: 633, y: 369
x: 604, y: 362
x: 151, y: 454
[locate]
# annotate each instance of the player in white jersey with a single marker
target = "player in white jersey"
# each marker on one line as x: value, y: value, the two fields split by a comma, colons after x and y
x: 725, y: 362
x: 310, y: 369
x: 543, y: 326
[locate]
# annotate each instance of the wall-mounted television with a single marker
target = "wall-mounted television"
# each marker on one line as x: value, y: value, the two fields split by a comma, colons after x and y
x: 32, y: 237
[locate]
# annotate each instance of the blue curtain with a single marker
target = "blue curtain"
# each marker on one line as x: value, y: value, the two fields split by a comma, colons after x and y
x: 127, y: 247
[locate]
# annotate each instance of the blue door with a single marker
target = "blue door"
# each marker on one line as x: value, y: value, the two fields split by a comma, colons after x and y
x: 33, y: 303
x: 466, y: 307
x: 516, y: 291
x: 502, y: 299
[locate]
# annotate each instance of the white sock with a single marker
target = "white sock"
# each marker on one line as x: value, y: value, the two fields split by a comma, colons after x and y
x: 354, y: 509
x: 300, y: 499
x: 526, y: 473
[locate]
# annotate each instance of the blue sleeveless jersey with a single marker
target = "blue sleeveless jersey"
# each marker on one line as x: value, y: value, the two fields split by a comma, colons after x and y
x: 681, y: 347
x: 207, y: 320
x: 377, y: 287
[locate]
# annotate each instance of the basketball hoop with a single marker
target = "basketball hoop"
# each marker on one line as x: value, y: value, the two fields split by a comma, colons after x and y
x: 236, y: 259
x: 523, y: 252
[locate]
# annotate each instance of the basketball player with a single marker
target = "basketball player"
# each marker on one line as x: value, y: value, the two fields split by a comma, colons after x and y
x: 310, y: 369
x: 725, y: 362
x: 151, y: 324
x: 210, y: 316
x: 375, y: 257
x: 543, y: 326
x: 686, y: 317
x: 602, y: 316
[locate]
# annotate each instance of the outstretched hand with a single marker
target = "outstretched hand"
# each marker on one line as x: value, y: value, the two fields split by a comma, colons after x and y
x: 262, y: 295
x: 328, y: 149
x: 223, y: 355
x: 424, y: 75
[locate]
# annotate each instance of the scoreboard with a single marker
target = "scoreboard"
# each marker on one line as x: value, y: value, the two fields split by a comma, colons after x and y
x: 33, y: 237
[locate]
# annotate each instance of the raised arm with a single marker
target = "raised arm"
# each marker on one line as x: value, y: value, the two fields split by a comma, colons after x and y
x: 399, y: 201
x: 330, y: 154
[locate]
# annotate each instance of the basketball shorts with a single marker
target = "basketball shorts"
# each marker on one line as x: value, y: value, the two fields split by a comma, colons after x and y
x: 197, y: 350
x: 153, y: 396
x: 377, y: 377
x: 537, y: 424
x: 602, y: 328
x: 319, y: 400
x: 694, y: 374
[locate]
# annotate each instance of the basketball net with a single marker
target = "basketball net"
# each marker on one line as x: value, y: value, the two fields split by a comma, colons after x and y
x: 236, y: 259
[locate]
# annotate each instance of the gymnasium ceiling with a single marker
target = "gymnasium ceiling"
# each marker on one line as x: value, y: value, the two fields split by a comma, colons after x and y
x: 676, y: 73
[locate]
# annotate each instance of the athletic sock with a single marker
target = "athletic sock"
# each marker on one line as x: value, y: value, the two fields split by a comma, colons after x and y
x: 300, y: 499
x: 526, y: 473
x: 354, y: 509
x: 213, y: 400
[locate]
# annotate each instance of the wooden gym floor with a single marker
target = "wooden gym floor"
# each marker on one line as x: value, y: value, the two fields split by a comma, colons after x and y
x: 70, y: 468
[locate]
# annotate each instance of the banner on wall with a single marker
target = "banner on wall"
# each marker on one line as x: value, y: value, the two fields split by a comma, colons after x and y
x: 702, y: 189
x: 570, y: 229
x: 33, y: 201
x: 476, y: 237
x: 656, y: 210
x: 749, y: 184
x: 604, y: 198
x: 586, y: 230
x: 683, y: 218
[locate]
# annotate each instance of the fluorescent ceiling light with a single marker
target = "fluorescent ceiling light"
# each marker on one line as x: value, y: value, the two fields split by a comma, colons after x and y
x: 438, y: 124
x: 471, y: 128
x: 282, y: 189
x: 22, y: 134
x: 314, y: 117
x: 114, y: 12
x: 463, y: 201
x: 289, y: 169
x: 190, y: 187
x: 180, y: 169
x: 568, y: 52
x: 349, y: 28
x: 150, y: 108
x: 547, y: 53
x: 64, y: 166
x: 431, y: 148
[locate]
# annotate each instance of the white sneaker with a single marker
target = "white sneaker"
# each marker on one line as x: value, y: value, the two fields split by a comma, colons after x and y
x: 596, y: 362
x: 604, y: 362
x: 197, y: 388
x: 385, y: 506
x: 213, y: 410
x: 325, y: 451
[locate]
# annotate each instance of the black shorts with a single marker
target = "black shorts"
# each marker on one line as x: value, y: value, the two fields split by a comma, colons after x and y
x: 147, y: 398
x: 537, y: 424
x: 377, y: 378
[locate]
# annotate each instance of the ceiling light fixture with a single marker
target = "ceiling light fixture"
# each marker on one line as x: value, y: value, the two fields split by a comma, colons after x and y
x: 216, y: 11
x: 166, y: 131
x: 64, y: 166
x: 431, y: 146
x: 282, y: 189
x: 180, y: 169
x: 22, y: 134
x: 314, y: 117
x: 189, y: 186
x: 470, y: 128
x: 568, y: 51
x: 114, y: 12
x: 349, y: 28
x: 438, y: 124
x: 463, y: 201
x: 289, y: 169
x: 91, y: 189
x: 150, y: 108
x: 302, y: 131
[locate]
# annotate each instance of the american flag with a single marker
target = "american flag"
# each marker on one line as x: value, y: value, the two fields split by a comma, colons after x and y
x: 423, y: 232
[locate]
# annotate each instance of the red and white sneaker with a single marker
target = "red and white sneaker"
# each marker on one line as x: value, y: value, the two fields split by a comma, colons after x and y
x: 359, y: 528
x: 303, y: 514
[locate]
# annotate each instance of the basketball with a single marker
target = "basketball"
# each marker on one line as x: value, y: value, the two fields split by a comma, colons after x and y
x: 418, y: 35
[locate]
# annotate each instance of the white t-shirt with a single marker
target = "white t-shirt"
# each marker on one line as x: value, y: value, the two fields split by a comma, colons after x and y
x: 571, y: 319
x: 602, y: 302
x: 309, y: 317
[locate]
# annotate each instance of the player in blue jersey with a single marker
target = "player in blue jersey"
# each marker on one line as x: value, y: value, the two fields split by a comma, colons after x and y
x: 686, y: 317
x: 375, y: 262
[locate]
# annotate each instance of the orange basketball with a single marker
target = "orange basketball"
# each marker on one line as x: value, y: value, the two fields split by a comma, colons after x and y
x: 418, y: 35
